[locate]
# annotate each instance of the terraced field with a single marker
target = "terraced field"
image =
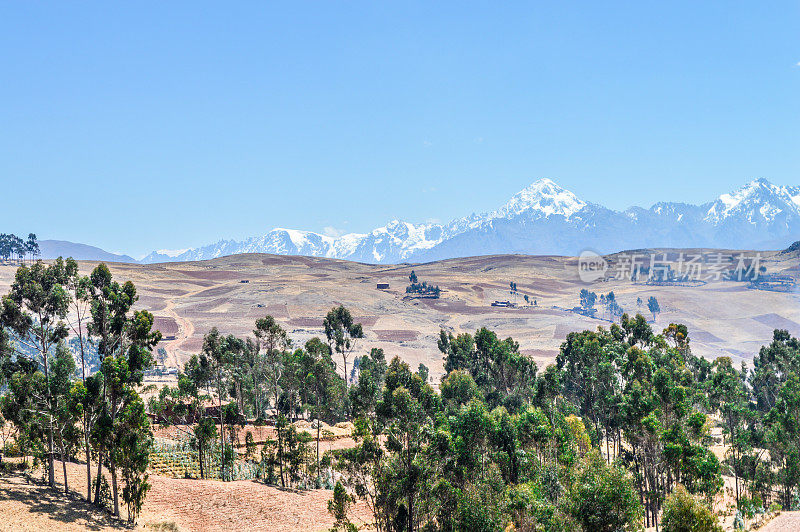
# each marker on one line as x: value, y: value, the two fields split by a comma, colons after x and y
x: 188, y: 299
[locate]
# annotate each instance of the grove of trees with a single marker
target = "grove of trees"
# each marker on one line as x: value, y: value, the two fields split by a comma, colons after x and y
x: 421, y: 288
x: 614, y: 436
x: 55, y: 413
x: 12, y: 246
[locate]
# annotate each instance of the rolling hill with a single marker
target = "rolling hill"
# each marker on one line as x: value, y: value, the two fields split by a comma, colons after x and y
x: 189, y: 298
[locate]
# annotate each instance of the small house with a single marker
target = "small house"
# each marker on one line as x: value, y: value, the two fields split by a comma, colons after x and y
x: 383, y: 286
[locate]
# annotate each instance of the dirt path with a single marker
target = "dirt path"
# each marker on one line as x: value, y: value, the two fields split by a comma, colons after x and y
x: 785, y: 522
x: 185, y: 331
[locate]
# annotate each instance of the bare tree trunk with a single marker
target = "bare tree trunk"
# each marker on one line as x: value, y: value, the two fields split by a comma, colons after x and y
x: 200, y: 457
x: 113, y: 468
x: 88, y: 467
x: 221, y: 427
x: 99, y: 476
x: 280, y: 440
x: 64, y: 466
x: 112, y: 463
x: 51, y: 475
x: 86, y: 425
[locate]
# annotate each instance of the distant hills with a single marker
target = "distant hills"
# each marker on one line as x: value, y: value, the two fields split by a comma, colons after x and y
x: 51, y: 249
x: 545, y: 218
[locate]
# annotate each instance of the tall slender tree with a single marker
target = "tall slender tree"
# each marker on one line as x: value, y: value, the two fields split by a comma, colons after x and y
x: 35, y: 309
x: 124, y: 343
x: 342, y: 333
x: 80, y: 288
x: 32, y: 246
x: 274, y: 340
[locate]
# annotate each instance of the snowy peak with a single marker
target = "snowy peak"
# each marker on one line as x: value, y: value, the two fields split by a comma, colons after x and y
x: 545, y: 218
x: 757, y: 202
x: 543, y: 197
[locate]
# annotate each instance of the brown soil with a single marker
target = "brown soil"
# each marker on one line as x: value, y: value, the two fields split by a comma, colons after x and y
x: 201, y: 505
x: 785, y: 522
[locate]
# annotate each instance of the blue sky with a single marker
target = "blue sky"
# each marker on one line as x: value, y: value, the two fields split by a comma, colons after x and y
x: 172, y: 124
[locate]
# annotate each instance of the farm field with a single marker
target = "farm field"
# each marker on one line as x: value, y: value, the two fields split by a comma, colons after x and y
x: 724, y: 318
x: 188, y: 299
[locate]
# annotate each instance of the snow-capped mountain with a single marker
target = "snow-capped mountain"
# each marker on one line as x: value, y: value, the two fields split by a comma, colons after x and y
x: 543, y: 199
x: 545, y: 218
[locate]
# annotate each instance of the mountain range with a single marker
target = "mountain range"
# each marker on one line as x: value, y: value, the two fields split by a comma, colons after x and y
x: 545, y: 218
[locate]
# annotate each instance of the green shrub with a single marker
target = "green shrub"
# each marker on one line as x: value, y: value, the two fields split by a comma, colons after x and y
x: 684, y: 513
x: 603, y: 497
x: 338, y: 507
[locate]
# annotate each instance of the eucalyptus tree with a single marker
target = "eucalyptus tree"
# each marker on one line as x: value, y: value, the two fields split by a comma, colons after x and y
x: 216, y: 352
x: 35, y: 309
x: 366, y: 392
x: 407, y: 410
x: 32, y: 246
x: 80, y: 288
x: 653, y: 306
x: 7, y: 365
x: 589, y: 361
x: 342, y: 333
x: 771, y: 368
x: 274, y: 340
x: 321, y: 387
x: 132, y: 451
x: 729, y: 396
x: 181, y: 406
x: 783, y: 437
x: 67, y: 410
x: 125, y: 342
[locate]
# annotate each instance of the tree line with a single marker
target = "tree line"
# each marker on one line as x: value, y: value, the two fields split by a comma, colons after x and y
x: 612, y: 307
x: 100, y: 415
x: 13, y: 246
x: 421, y: 288
x: 613, y: 436
x: 266, y: 378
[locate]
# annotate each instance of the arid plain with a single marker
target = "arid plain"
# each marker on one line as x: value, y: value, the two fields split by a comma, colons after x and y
x: 724, y: 317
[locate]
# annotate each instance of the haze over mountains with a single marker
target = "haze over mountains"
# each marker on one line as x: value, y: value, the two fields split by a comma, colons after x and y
x: 545, y: 218
x: 51, y: 249
x: 542, y: 219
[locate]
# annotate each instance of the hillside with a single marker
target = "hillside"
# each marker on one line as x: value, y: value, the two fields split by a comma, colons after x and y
x: 189, y: 298
x: 202, y: 505
x: 50, y: 249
